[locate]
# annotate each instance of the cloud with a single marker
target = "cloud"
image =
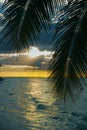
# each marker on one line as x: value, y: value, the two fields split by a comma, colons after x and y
x: 17, y: 68
x: 35, y: 52
x: 2, y: 1
x: 39, y: 61
x: 42, y: 43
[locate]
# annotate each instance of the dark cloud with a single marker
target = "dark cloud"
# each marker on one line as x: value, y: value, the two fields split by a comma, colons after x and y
x: 42, y: 43
x: 23, y: 60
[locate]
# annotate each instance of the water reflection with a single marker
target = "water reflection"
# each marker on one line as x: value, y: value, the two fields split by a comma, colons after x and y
x: 37, y: 104
x: 27, y: 104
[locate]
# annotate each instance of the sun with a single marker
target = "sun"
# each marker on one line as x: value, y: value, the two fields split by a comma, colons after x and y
x: 34, y: 52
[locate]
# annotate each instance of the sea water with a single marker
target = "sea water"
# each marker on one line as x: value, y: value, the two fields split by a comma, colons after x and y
x: 28, y: 104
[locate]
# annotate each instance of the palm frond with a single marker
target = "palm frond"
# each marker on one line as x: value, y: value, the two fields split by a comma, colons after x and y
x: 69, y: 63
x: 24, y: 20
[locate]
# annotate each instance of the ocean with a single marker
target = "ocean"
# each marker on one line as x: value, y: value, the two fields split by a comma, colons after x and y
x: 29, y: 104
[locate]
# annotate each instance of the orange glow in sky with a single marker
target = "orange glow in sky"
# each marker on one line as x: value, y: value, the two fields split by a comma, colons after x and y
x: 30, y: 73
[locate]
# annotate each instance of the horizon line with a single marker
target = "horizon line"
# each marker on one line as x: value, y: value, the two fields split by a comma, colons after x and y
x: 34, y: 74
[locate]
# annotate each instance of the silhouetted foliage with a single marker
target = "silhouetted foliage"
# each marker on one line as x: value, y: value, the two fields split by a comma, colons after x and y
x: 23, y: 21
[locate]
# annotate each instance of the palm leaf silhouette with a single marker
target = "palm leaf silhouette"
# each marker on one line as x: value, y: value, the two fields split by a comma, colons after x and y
x: 69, y: 63
x: 23, y: 20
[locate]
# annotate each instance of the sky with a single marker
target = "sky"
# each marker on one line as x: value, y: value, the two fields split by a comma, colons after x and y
x: 36, y: 59
x: 23, y: 64
x: 38, y: 56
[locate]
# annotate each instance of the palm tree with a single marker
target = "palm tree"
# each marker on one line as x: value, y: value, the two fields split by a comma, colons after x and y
x: 23, y: 21
x: 70, y: 46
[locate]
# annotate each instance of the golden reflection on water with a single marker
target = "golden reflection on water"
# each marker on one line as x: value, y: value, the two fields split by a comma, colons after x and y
x: 37, y: 103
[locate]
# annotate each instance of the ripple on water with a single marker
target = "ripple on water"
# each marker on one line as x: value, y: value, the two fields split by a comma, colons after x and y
x: 26, y: 104
x: 41, y: 107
